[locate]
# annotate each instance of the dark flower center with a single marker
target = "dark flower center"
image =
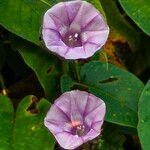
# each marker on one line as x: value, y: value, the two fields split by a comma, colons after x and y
x: 79, y: 128
x: 72, y: 39
x: 71, y: 35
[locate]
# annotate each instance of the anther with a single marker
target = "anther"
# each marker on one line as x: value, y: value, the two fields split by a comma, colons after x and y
x: 76, y: 35
x: 80, y: 130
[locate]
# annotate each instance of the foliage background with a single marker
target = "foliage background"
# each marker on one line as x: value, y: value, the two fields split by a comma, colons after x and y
x: 31, y: 78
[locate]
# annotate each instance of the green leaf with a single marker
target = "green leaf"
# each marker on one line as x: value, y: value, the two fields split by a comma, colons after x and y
x: 45, y: 66
x: 119, y: 24
x: 6, y: 122
x: 111, y: 139
x: 16, y: 63
x: 29, y: 131
x: 24, y: 17
x: 66, y: 83
x: 144, y: 117
x: 139, y: 12
x: 118, y: 88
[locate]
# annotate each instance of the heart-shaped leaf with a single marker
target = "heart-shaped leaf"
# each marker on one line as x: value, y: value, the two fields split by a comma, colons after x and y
x: 144, y: 117
x: 118, y: 88
x: 139, y: 12
x: 24, y: 17
x: 6, y: 122
x: 26, y: 130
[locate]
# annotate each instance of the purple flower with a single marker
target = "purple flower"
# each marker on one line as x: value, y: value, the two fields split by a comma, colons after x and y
x: 74, y: 29
x: 75, y: 118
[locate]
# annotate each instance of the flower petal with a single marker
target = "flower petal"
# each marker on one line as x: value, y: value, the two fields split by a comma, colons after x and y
x: 96, y: 24
x: 48, y: 22
x: 55, y: 119
x: 93, y: 103
x: 95, y: 115
x: 63, y: 102
x: 51, y: 37
x: 81, y: 98
x: 72, y: 7
x: 95, y: 110
x: 75, y: 53
x: 97, y: 37
x: 69, y: 104
x: 90, y: 135
x: 79, y: 102
x: 72, y: 110
x: 68, y: 141
x: 97, y: 125
x: 61, y: 15
x: 86, y: 13
x: 61, y: 50
x: 65, y: 20
x: 90, y: 48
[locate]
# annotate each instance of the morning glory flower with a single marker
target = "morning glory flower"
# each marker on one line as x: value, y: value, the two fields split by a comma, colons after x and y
x: 74, y: 29
x: 75, y: 118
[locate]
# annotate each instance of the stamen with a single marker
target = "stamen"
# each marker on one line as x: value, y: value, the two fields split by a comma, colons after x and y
x: 70, y: 37
x: 78, y: 127
x: 76, y: 35
x: 73, y: 38
x: 75, y: 123
x: 80, y: 130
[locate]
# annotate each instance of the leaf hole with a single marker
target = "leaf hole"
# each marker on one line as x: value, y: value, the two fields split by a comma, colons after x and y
x: 40, y: 38
x: 79, y: 87
x: 110, y: 79
x: 50, y: 69
x: 32, y: 108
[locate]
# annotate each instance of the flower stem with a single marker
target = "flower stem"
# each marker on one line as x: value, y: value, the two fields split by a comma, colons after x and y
x: 106, y: 58
x: 4, y: 91
x: 65, y: 67
x: 2, y: 81
x: 45, y: 2
x: 76, y: 64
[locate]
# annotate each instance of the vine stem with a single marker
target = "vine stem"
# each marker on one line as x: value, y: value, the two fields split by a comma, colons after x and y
x: 4, y: 92
x: 106, y: 58
x: 2, y: 81
x: 65, y: 67
x: 76, y: 64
